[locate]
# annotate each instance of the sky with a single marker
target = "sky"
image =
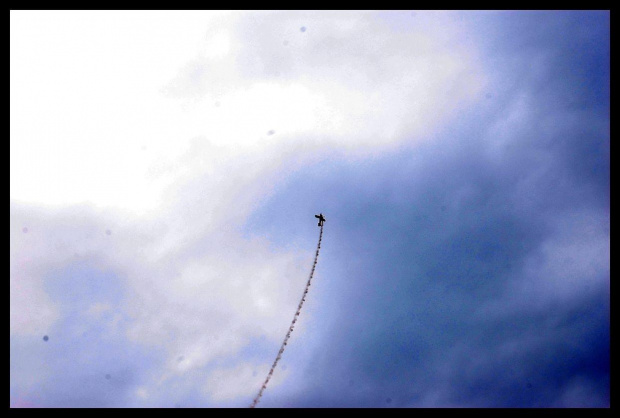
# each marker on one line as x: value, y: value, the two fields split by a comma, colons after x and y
x: 166, y: 167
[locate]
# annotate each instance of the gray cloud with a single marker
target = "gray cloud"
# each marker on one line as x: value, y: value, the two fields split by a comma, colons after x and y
x: 473, y: 271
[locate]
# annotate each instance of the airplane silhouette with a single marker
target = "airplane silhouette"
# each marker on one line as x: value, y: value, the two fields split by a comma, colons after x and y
x: 321, y: 218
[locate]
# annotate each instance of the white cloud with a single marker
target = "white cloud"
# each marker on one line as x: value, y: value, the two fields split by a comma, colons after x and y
x: 97, y: 309
x: 93, y: 108
x: 242, y: 381
x: 159, y: 124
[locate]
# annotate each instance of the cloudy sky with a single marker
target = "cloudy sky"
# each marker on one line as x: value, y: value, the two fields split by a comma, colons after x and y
x: 165, y: 169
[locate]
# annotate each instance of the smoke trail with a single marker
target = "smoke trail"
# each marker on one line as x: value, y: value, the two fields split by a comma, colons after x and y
x: 290, y: 329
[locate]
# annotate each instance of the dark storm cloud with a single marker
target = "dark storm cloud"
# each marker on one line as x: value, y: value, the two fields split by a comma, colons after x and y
x: 429, y: 252
x: 564, y: 58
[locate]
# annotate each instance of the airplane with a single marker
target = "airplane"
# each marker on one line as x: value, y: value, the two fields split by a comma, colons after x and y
x: 321, y: 219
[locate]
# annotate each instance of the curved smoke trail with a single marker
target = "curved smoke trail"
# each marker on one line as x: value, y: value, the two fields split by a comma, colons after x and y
x: 290, y: 329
